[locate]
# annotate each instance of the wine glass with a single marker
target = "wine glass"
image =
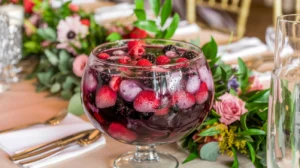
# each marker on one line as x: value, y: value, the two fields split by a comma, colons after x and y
x: 284, y: 101
x: 147, y: 92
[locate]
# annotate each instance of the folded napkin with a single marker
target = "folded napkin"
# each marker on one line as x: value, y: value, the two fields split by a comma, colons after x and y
x: 244, y: 48
x: 12, y: 142
x: 108, y: 13
x: 58, y: 3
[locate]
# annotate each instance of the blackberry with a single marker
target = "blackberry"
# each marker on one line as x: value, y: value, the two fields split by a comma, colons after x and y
x: 150, y: 57
x: 123, y: 110
x: 148, y: 79
x: 105, y: 77
x: 189, y: 55
x: 112, y: 61
x: 146, y: 116
x: 170, y: 48
x: 153, y: 79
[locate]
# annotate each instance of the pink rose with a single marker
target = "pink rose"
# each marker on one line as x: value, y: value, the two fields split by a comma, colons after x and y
x: 230, y: 108
x: 255, y: 84
x: 79, y: 64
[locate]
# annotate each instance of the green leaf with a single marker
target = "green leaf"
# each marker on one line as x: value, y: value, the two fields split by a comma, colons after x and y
x: 148, y: 25
x: 66, y: 94
x: 55, y: 88
x: 139, y: 4
x: 32, y: 46
x: 47, y: 33
x: 165, y: 11
x: 257, y: 95
x: 235, y: 161
x: 252, y: 152
x: 210, y: 49
x: 44, y: 77
x: 75, y: 106
x: 215, y: 114
x: 191, y: 157
x: 51, y: 57
x: 252, y: 131
x: 210, y: 151
x: 243, y: 74
x: 113, y: 37
x: 155, y: 5
x: 64, y: 58
x: 140, y: 14
x: 210, y: 131
x: 173, y: 26
x: 243, y: 121
x: 245, y: 138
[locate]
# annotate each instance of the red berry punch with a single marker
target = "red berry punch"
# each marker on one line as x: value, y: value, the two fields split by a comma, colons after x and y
x: 146, y: 93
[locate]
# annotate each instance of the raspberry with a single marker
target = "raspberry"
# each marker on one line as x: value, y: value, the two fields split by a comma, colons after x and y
x: 144, y: 62
x: 149, y: 57
x: 162, y: 60
x: 189, y: 55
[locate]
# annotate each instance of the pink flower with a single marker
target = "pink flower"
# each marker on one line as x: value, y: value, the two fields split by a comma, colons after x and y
x: 255, y: 84
x: 45, y: 43
x: 69, y: 47
x: 230, y: 108
x: 71, y: 29
x: 79, y: 64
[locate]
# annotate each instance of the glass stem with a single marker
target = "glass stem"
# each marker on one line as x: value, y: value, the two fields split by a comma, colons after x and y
x: 146, y: 153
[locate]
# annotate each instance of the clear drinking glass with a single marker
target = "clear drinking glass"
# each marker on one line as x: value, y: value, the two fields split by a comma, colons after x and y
x: 4, y: 22
x: 146, y: 105
x: 284, y: 102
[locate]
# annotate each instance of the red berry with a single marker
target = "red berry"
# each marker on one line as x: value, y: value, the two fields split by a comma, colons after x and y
x: 136, y: 51
x: 138, y: 33
x: 105, y: 97
x: 134, y: 43
x: 146, y: 101
x: 124, y: 60
x: 162, y: 60
x: 162, y: 111
x: 28, y: 6
x: 99, y: 118
x: 73, y: 8
x: 179, y: 60
x: 114, y: 83
x: 183, y: 99
x: 85, y: 22
x: 202, y: 94
x: 144, y: 62
x: 120, y: 132
x: 103, y: 55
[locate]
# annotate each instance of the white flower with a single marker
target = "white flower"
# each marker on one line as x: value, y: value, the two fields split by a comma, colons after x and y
x: 71, y: 29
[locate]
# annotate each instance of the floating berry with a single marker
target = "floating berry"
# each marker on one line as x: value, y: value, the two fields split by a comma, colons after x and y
x: 183, y: 99
x: 162, y: 60
x: 146, y: 101
x: 169, y: 48
x: 118, y: 131
x: 144, y: 62
x: 138, y: 33
x: 105, y: 97
x: 115, y: 83
x: 202, y: 94
x: 103, y: 55
x: 149, y: 57
x: 189, y: 55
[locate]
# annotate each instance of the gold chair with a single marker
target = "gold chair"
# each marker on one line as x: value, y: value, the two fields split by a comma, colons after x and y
x: 238, y: 7
x: 277, y: 9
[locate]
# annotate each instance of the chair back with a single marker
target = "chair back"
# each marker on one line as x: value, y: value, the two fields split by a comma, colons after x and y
x: 277, y: 9
x: 239, y: 7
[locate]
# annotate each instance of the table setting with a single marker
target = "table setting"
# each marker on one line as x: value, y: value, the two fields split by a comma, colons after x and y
x: 135, y: 86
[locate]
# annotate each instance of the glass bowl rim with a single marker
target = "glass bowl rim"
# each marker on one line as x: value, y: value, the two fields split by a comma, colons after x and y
x: 200, y: 55
x: 284, y: 18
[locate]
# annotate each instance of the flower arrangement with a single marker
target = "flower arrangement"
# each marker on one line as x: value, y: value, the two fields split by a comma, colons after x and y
x: 238, y: 120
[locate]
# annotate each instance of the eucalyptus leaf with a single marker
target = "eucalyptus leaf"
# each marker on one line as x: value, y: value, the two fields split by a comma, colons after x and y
x: 139, y: 4
x: 113, y: 37
x: 165, y: 12
x: 253, y: 131
x: 210, y: 131
x: 210, y: 151
x: 173, y: 26
x: 75, y: 106
x: 47, y: 33
x: 66, y: 94
x: 44, y: 77
x: 155, y: 5
x: 148, y: 25
x: 77, y: 89
x: 140, y: 14
x: 55, y: 88
x: 64, y: 58
x: 51, y: 57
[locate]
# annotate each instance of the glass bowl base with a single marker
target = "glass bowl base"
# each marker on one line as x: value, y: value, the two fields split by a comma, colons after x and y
x: 162, y: 160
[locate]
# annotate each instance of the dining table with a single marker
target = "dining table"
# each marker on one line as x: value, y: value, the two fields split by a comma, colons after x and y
x: 21, y: 104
